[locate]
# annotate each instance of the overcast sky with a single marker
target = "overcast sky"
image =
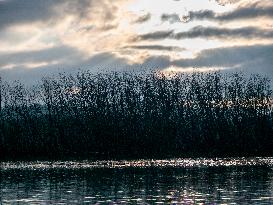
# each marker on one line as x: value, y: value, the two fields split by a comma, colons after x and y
x: 41, y: 37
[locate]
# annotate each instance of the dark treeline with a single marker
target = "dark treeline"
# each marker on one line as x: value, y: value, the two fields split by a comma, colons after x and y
x: 128, y: 115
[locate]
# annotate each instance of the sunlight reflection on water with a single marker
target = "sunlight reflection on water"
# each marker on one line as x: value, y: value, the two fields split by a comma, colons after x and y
x: 200, y: 162
x: 180, y: 181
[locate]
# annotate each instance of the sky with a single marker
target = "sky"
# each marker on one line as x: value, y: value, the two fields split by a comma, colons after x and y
x: 44, y: 37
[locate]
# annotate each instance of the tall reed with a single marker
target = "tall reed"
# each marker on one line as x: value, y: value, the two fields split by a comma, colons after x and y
x: 130, y: 115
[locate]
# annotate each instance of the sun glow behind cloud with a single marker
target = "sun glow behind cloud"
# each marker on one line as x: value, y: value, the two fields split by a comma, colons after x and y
x: 189, y: 48
x: 130, y: 33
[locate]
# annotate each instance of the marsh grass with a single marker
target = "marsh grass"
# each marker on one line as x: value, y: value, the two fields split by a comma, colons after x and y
x: 129, y: 115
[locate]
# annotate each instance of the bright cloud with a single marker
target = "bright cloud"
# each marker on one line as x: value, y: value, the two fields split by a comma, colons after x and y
x: 42, y: 36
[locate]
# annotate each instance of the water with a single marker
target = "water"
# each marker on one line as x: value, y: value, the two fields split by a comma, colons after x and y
x: 201, y: 181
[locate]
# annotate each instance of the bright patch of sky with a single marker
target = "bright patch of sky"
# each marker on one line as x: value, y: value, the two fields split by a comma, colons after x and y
x: 133, y: 33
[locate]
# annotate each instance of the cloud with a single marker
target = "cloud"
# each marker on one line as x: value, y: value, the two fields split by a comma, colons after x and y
x: 18, y: 12
x: 71, y: 63
x: 55, y: 54
x: 41, y: 37
x: 86, y: 25
x: 157, y: 35
x: 243, y: 10
x: 211, y: 32
x: 216, y: 32
x: 156, y: 47
x: 225, y: 2
x: 171, y: 18
x: 101, y: 62
x: 251, y: 59
x: 143, y: 18
x: 237, y: 14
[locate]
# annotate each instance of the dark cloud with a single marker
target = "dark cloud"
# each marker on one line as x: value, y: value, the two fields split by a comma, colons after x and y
x: 256, y: 58
x: 102, y: 62
x: 23, y: 11
x: 238, y: 14
x: 201, y: 15
x: 172, y: 18
x: 225, y: 2
x: 158, y: 35
x: 15, y: 12
x: 156, y: 47
x: 252, y: 10
x: 245, y: 13
x: 251, y: 59
x: 211, y: 32
x: 143, y: 18
x: 47, y: 55
x: 216, y: 32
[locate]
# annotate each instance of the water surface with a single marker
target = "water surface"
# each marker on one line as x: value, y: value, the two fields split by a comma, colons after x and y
x: 188, y: 181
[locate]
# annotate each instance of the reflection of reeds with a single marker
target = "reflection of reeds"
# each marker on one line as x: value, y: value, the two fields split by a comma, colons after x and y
x: 124, y: 115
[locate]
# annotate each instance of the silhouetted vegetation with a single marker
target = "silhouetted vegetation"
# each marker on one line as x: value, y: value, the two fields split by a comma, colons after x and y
x: 129, y: 115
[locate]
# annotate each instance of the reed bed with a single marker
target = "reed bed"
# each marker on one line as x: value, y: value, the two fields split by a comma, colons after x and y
x: 131, y: 115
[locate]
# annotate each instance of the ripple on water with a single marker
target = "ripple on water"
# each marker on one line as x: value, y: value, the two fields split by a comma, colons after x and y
x: 201, y: 162
x: 196, y: 181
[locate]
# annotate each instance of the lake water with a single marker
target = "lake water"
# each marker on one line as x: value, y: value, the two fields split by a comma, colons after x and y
x: 180, y: 181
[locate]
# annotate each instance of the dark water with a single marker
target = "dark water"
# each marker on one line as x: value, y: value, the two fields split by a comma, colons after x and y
x: 190, y: 183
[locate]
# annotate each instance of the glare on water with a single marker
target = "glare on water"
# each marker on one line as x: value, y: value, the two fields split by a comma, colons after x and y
x: 176, y: 181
